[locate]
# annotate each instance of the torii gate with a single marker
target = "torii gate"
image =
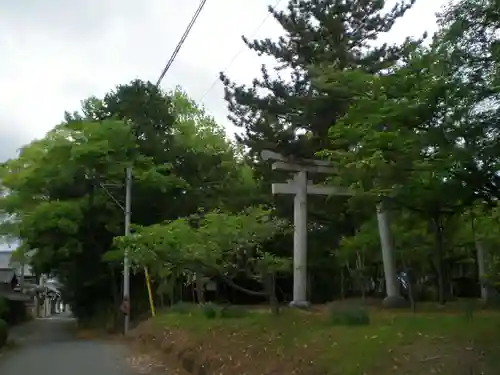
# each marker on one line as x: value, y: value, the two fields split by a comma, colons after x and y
x: 300, y: 187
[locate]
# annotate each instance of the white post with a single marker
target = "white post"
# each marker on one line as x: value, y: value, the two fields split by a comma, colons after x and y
x: 393, y: 298
x: 300, y: 241
x: 300, y: 188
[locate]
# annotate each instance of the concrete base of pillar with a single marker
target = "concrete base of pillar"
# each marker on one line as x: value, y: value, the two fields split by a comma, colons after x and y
x: 394, y: 302
x: 300, y: 304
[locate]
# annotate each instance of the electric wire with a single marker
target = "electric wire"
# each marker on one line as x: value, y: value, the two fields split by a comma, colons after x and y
x: 243, y: 49
x: 181, y: 42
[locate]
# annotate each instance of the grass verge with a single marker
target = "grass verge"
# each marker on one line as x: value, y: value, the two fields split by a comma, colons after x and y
x: 297, y: 342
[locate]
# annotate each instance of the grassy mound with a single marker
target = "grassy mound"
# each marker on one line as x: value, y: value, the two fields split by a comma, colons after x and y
x: 334, y: 340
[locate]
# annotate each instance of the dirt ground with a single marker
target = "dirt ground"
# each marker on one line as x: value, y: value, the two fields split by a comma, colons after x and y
x: 434, y: 341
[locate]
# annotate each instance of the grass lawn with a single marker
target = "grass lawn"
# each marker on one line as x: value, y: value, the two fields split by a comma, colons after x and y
x: 448, y: 342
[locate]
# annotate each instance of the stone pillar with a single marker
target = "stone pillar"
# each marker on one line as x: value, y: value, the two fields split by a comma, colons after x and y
x: 393, y: 298
x: 300, y: 242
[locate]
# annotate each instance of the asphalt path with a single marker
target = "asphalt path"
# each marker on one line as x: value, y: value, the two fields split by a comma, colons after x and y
x: 49, y: 347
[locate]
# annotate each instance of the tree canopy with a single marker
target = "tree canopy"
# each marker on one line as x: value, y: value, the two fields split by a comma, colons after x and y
x: 414, y: 124
x: 66, y: 191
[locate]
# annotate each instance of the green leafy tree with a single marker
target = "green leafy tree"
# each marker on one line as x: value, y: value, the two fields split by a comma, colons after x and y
x: 423, y: 133
x: 334, y: 33
x: 285, y: 111
x: 216, y: 244
x: 58, y: 189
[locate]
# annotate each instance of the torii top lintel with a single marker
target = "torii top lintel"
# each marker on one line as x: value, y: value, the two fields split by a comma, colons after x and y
x: 291, y: 164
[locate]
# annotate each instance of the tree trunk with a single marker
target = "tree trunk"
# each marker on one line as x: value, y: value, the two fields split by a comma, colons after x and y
x: 270, y: 285
x: 361, y: 274
x: 342, y: 286
x: 114, y: 287
x: 411, y: 295
x: 200, y: 286
x: 481, y: 268
x: 162, y: 301
x: 451, y: 286
x: 116, y: 298
x: 171, y: 293
x: 411, y: 287
x: 438, y: 229
x: 481, y: 255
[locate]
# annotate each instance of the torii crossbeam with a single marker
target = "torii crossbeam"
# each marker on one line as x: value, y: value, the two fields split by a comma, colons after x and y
x: 300, y: 187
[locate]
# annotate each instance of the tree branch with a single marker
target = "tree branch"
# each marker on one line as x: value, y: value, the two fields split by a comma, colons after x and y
x: 199, y: 267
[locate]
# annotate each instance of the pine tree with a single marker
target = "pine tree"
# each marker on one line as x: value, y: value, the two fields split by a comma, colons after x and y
x: 293, y: 115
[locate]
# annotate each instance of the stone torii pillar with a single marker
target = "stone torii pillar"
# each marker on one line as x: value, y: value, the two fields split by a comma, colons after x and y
x: 300, y: 187
x: 393, y: 297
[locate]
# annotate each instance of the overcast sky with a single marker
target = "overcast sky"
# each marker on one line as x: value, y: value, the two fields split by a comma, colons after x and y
x: 54, y: 53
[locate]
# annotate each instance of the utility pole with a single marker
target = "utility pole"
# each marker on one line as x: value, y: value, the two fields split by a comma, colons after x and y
x: 126, y: 268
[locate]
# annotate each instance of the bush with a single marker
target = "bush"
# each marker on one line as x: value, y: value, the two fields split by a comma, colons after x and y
x: 229, y: 311
x: 4, y: 332
x: 209, y: 310
x: 349, y: 316
x: 4, y: 307
x: 182, y: 308
x: 469, y: 306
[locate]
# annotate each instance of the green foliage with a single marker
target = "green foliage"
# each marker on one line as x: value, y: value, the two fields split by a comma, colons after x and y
x: 348, y: 316
x: 425, y: 136
x: 216, y: 243
x: 292, y: 113
x: 209, y: 310
x: 414, y: 125
x: 232, y: 312
x: 59, y: 187
x: 4, y: 307
x: 311, y: 111
x: 182, y: 308
x: 4, y: 332
x: 469, y: 307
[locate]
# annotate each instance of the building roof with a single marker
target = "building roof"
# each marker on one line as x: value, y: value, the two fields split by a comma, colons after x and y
x: 7, y: 275
x: 5, y: 262
x: 14, y: 296
x: 5, y: 259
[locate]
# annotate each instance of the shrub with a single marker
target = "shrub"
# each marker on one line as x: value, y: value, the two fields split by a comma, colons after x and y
x: 182, y: 308
x: 229, y: 311
x: 4, y: 332
x: 469, y: 306
x: 349, y: 316
x: 4, y: 307
x: 209, y: 310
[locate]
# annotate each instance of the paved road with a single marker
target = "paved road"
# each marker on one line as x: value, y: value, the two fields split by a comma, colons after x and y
x: 49, y: 347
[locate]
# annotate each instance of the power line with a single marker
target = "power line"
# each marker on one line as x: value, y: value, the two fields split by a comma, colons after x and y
x: 181, y: 41
x: 243, y: 49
